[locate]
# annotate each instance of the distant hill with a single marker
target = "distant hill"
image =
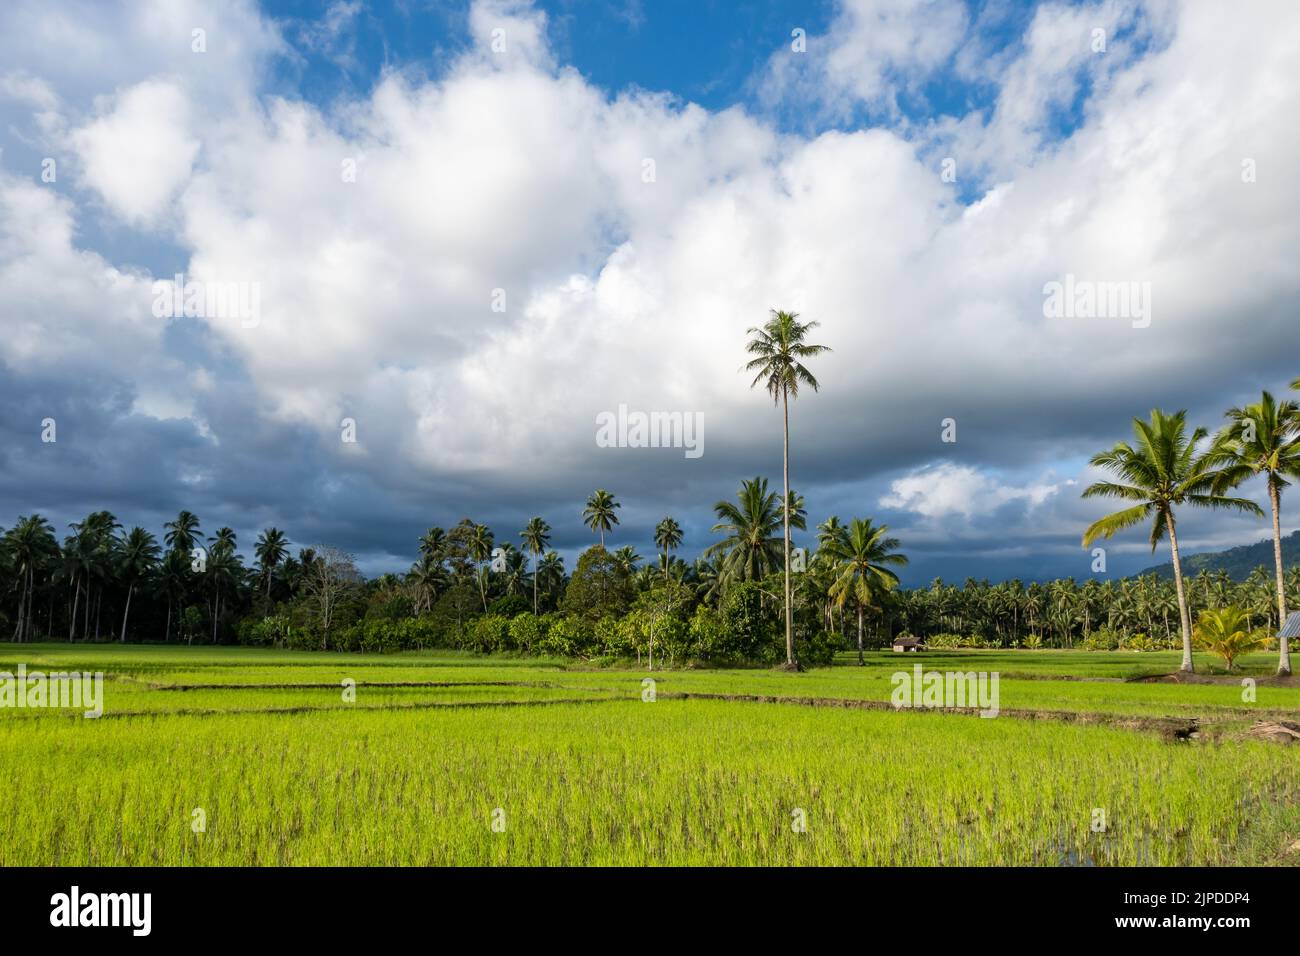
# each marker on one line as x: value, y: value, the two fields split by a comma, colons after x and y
x: 1238, y: 562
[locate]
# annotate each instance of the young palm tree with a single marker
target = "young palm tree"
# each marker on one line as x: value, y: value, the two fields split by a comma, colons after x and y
x: 778, y: 349
x: 136, y: 558
x: 272, y: 547
x: 1163, y: 470
x: 536, y: 535
x: 862, y: 558
x: 1264, y: 439
x: 599, y: 513
x: 1227, y: 633
x: 668, y: 537
x: 627, y: 559
x: 752, y: 548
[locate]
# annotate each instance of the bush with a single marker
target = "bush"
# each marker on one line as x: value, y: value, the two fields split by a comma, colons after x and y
x: 488, y: 633
x: 819, y: 650
x: 749, y: 624
x: 568, y: 636
x: 272, y: 631
x: 527, y: 631
x: 510, y: 605
x: 1139, y: 642
x: 1102, y: 639
x: 946, y: 641
x: 708, y: 634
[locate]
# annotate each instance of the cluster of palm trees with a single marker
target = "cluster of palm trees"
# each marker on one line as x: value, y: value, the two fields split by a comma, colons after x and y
x: 1169, y: 466
x: 102, y: 567
x: 1064, y: 612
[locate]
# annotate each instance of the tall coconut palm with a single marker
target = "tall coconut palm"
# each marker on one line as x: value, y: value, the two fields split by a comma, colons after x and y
x: 224, y: 571
x: 95, y: 543
x: 271, y: 548
x: 668, y: 537
x: 173, y: 583
x: 550, y: 574
x: 1264, y: 439
x: 599, y: 514
x: 779, y: 350
x: 432, y: 542
x: 864, y: 555
x: 137, y: 556
x: 183, y: 533
x: 1163, y: 470
x: 536, y: 536
x: 752, y: 546
x: 223, y: 540
x: 830, y: 531
x: 428, y: 577
x: 29, y: 546
x: 478, y: 542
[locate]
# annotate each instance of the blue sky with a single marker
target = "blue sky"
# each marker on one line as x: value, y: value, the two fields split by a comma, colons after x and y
x: 1097, y: 139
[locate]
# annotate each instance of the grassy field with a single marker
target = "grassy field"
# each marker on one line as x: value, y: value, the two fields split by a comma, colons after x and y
x: 445, y: 758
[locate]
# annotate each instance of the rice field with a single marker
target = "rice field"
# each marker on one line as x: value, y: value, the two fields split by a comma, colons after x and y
x: 234, y: 756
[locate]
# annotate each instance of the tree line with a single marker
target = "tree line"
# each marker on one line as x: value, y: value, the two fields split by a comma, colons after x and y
x: 748, y: 597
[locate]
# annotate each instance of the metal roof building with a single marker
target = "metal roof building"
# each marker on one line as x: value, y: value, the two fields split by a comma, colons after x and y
x: 1292, y: 626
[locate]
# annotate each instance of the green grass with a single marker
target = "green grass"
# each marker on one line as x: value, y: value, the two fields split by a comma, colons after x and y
x: 587, y: 773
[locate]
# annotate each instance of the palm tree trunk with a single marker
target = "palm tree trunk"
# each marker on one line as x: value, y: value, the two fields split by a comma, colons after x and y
x: 18, y: 626
x: 860, y: 660
x: 1185, y: 617
x: 31, y: 598
x: 1284, y: 644
x: 785, y: 515
x: 534, y: 584
x: 76, y: 599
x: 167, y: 634
x: 126, y: 613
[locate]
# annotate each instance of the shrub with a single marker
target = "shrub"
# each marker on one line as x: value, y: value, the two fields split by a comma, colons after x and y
x: 946, y: 641
x: 527, y: 631
x: 1102, y: 639
x: 272, y: 631
x: 819, y: 650
x: 568, y: 636
x: 488, y: 633
x: 510, y: 605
